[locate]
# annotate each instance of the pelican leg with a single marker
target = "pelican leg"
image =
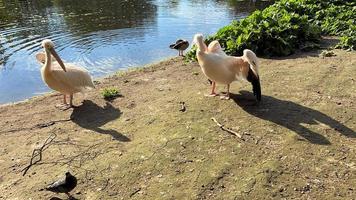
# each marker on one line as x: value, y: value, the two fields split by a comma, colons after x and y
x: 227, y: 96
x: 64, y: 99
x: 71, y: 100
x: 63, y: 106
x: 69, y: 196
x: 212, y: 94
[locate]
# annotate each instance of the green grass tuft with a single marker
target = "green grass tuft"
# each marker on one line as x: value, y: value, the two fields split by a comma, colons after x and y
x: 110, y: 93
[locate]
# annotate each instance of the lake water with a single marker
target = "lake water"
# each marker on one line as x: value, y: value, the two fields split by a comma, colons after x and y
x: 101, y: 35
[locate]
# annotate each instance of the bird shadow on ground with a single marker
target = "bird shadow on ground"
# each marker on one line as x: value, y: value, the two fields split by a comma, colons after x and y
x: 91, y: 116
x: 291, y: 116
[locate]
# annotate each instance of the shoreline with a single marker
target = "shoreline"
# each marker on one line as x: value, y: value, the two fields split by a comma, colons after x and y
x: 327, y: 41
x: 127, y: 70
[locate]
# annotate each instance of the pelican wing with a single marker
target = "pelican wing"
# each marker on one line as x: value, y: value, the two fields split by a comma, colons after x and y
x: 215, y: 47
x: 76, y: 78
x: 218, y: 67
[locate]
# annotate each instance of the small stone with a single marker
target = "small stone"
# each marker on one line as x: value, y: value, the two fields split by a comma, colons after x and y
x: 281, y: 189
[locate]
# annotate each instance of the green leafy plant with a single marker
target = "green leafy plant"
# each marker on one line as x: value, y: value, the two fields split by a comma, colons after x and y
x: 110, y: 93
x: 288, y: 25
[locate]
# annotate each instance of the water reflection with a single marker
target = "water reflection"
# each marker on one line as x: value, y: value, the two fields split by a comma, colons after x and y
x: 106, y: 14
x: 101, y: 35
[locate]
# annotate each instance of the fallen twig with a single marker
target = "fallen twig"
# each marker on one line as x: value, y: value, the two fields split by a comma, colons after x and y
x: 106, y: 183
x: 135, y: 192
x: 40, y: 125
x: 50, y: 123
x: 226, y: 129
x: 258, y: 140
x: 43, y: 125
x: 37, y: 152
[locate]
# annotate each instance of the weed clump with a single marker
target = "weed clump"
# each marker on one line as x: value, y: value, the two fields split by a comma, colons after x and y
x: 110, y: 93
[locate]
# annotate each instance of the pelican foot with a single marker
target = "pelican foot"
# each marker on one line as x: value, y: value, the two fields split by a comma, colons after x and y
x: 211, y: 95
x: 225, y: 97
x: 63, y: 106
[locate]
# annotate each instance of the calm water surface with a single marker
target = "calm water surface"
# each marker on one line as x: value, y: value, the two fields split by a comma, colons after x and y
x: 101, y: 35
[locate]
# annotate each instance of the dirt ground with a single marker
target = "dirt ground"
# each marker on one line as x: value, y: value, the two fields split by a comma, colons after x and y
x: 298, y: 143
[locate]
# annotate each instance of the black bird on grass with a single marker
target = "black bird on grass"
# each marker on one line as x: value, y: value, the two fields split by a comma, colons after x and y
x: 64, y: 185
x: 180, y: 45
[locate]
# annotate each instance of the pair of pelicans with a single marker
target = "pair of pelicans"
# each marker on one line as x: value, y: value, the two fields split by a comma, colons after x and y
x: 69, y: 79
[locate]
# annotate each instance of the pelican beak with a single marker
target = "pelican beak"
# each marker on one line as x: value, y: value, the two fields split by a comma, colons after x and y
x: 59, y: 60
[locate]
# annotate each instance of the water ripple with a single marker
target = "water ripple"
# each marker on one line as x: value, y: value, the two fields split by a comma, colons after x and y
x: 100, y: 35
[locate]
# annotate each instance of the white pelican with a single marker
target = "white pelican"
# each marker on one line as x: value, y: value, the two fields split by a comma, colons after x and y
x: 66, y: 79
x: 224, y: 69
x: 180, y: 45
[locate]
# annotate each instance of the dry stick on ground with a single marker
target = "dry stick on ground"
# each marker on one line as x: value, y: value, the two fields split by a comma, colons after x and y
x: 135, y: 192
x: 40, y: 125
x: 226, y: 129
x: 38, y: 152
